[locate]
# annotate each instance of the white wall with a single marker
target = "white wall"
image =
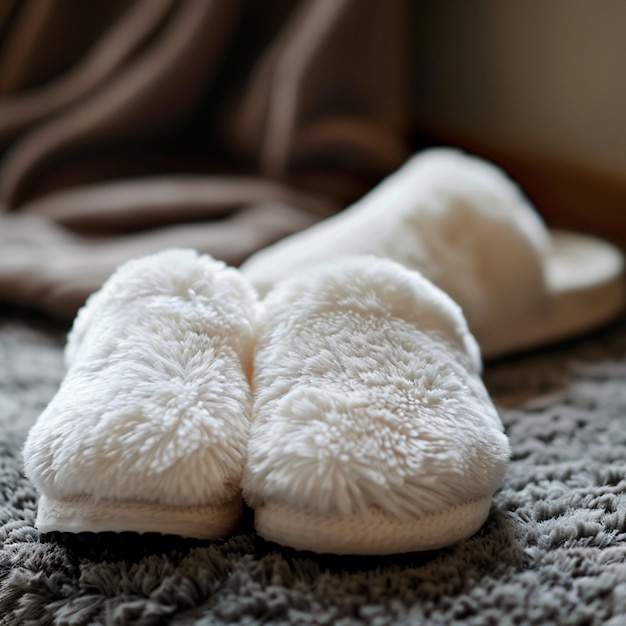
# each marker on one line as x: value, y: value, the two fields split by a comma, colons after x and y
x: 547, y: 75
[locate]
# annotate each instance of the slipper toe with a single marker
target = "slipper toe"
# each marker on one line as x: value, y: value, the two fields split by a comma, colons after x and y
x: 372, y: 430
x: 148, y: 430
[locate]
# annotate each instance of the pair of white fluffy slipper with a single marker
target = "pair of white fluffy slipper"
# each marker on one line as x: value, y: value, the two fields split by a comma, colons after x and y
x: 346, y: 406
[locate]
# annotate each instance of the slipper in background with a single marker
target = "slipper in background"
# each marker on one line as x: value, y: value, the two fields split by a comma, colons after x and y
x: 372, y: 431
x: 148, y: 431
x: 468, y: 228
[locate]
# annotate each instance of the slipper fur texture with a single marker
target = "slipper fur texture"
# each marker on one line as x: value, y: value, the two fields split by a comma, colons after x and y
x: 370, y: 414
x: 149, y: 428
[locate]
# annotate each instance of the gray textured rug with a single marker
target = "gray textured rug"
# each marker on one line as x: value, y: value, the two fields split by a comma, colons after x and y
x: 552, y: 552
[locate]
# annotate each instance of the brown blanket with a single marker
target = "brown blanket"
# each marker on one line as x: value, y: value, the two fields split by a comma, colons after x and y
x: 127, y: 126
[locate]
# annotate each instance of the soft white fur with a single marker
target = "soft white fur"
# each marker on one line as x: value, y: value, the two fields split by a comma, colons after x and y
x: 368, y: 392
x: 457, y: 219
x: 156, y: 403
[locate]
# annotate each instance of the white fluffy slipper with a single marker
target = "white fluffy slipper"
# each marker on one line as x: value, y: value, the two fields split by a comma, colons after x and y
x: 468, y: 228
x: 149, y: 428
x: 372, y: 430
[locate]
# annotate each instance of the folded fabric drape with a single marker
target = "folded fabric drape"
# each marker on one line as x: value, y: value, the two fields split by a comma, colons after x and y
x: 222, y: 125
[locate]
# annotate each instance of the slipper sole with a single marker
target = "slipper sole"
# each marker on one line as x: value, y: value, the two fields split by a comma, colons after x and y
x: 376, y: 533
x: 84, y: 514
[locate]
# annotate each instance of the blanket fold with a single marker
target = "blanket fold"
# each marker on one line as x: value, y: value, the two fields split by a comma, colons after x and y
x: 222, y: 125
